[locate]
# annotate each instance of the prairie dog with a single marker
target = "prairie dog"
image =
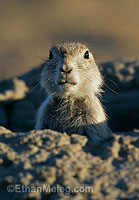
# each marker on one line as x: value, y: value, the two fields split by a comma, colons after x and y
x: 73, y: 84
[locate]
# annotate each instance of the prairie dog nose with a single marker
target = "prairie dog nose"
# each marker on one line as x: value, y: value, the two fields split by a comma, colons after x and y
x: 66, y: 70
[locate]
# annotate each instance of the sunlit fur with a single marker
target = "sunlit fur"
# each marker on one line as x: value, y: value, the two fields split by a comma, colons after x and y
x: 73, y: 107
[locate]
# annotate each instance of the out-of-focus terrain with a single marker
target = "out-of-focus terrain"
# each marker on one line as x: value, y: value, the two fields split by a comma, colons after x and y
x: 29, y: 28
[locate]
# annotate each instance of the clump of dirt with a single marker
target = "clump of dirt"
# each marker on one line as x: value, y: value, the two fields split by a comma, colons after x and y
x: 48, y: 159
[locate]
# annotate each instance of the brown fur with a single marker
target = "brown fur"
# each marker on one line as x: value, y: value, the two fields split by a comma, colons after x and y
x: 73, y: 84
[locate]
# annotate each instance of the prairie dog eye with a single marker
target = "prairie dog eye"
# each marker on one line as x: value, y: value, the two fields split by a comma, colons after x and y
x: 50, y: 55
x: 86, y: 55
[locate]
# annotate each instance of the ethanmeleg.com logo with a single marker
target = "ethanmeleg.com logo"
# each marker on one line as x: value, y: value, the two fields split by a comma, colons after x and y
x: 17, y: 188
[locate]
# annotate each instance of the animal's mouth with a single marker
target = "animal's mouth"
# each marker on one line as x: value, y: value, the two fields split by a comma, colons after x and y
x: 66, y: 82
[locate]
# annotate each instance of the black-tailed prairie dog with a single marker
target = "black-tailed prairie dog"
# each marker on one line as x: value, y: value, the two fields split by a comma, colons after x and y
x: 73, y: 84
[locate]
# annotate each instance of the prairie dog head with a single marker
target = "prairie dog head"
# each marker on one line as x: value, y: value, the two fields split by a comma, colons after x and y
x: 71, y: 71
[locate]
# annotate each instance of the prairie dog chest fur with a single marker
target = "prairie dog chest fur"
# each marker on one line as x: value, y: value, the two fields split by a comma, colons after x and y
x: 68, y: 115
x: 73, y: 83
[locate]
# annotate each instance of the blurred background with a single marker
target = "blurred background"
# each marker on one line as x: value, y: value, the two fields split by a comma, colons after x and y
x: 29, y: 27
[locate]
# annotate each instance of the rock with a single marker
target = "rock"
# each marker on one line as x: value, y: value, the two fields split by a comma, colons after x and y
x: 125, y: 74
x: 13, y: 89
x: 19, y: 100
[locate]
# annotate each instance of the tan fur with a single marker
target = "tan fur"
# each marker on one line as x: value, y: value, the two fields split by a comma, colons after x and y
x: 73, y: 84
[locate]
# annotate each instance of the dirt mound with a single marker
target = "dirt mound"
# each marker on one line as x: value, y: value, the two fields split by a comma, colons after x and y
x: 62, y: 165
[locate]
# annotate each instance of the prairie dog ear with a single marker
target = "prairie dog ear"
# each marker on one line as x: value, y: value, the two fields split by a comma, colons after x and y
x: 50, y: 55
